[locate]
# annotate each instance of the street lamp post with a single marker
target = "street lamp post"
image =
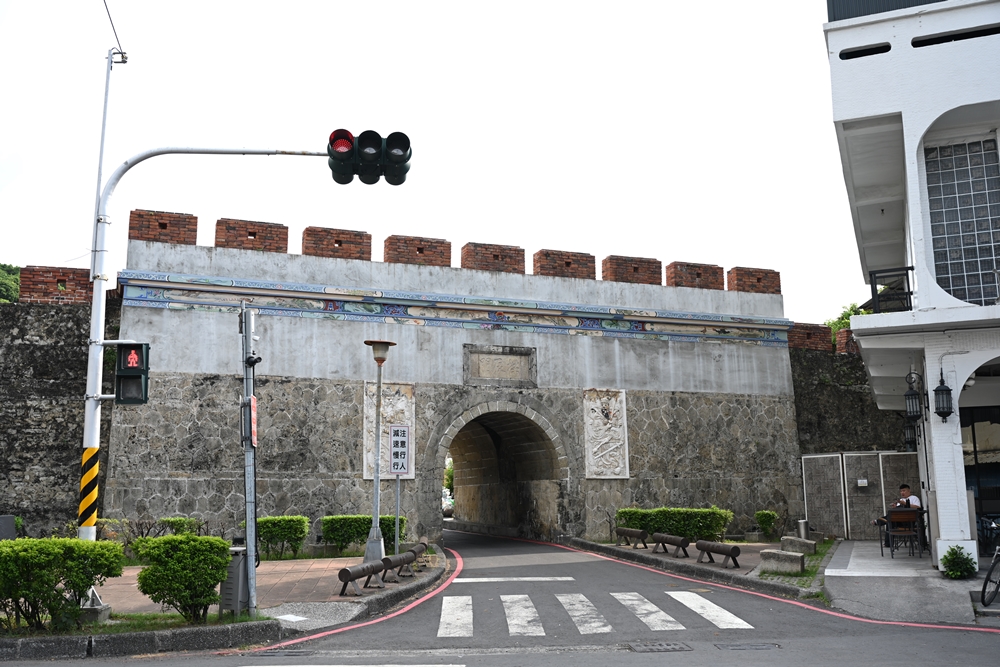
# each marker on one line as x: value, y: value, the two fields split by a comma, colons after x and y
x: 375, y: 549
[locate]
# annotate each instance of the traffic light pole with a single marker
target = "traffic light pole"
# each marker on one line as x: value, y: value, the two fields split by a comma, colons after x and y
x: 249, y: 440
x: 99, y: 278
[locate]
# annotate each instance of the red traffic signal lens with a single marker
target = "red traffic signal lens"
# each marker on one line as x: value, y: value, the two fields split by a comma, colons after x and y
x: 341, y: 141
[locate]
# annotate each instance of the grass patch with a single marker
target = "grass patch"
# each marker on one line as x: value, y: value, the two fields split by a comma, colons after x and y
x: 120, y: 623
x: 806, y: 579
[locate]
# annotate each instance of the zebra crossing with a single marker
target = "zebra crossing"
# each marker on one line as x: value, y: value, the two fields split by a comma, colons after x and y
x: 523, y: 619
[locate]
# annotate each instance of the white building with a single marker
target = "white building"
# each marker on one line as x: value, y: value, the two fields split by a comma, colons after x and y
x: 916, y: 105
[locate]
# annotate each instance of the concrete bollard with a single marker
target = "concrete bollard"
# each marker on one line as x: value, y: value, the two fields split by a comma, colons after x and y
x: 782, y: 562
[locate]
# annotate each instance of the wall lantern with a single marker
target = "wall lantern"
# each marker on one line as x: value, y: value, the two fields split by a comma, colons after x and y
x: 912, y: 397
x: 942, y: 400
x: 910, y: 436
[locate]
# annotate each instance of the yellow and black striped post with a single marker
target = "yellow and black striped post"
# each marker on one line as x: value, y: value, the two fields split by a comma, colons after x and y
x: 88, y: 494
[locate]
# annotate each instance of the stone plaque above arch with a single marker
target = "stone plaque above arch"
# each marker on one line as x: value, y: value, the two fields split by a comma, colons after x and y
x: 397, y: 408
x: 499, y: 366
x: 605, y: 433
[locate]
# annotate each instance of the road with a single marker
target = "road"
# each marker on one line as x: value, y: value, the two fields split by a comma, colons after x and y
x: 517, y: 603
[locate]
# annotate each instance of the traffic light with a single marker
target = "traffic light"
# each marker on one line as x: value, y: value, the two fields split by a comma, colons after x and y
x: 369, y: 156
x: 132, y: 374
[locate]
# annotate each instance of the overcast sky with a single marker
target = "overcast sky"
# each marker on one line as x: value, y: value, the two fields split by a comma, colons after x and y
x: 684, y: 131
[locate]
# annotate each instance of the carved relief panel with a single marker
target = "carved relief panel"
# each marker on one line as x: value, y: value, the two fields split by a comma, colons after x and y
x: 397, y: 408
x: 605, y: 434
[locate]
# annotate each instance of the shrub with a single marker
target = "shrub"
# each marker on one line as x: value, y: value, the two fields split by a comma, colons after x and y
x: 179, y: 525
x: 449, y: 476
x: 958, y: 564
x: 765, y: 520
x: 694, y: 524
x: 345, y: 529
x: 50, y: 577
x: 276, y: 533
x: 182, y: 571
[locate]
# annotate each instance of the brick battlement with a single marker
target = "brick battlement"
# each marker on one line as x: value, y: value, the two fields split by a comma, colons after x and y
x: 490, y: 257
x: 846, y: 343
x: 55, y: 285
x: 341, y: 243
x: 811, y: 337
x: 249, y: 235
x: 704, y: 276
x: 417, y: 250
x: 163, y: 227
x: 182, y: 228
x: 564, y: 264
x: 758, y: 281
x: 640, y: 270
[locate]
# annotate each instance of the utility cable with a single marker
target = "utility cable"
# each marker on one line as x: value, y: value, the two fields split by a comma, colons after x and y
x: 112, y: 25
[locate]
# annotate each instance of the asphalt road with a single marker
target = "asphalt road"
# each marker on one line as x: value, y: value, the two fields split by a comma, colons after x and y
x: 517, y: 603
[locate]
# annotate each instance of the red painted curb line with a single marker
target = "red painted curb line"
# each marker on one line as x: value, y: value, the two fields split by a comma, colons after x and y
x: 298, y: 640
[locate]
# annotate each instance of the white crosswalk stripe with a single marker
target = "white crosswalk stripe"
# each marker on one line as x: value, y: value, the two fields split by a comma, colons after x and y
x: 522, y: 617
x: 456, y: 616
x: 584, y: 614
x: 654, y: 617
x: 709, y: 610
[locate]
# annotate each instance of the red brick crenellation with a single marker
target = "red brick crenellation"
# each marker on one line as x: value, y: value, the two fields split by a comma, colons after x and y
x: 564, y: 264
x: 340, y: 243
x: 642, y: 270
x: 811, y: 337
x: 491, y: 257
x: 55, y: 285
x: 846, y: 343
x: 705, y: 276
x: 758, y: 281
x: 250, y: 235
x: 417, y: 250
x: 162, y: 227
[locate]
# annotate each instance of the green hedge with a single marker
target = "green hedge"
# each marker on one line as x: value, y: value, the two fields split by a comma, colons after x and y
x: 345, y: 529
x: 277, y: 533
x: 179, y: 525
x: 695, y: 524
x: 182, y: 571
x: 50, y: 577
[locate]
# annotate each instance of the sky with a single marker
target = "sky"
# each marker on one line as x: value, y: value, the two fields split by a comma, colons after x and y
x: 696, y: 131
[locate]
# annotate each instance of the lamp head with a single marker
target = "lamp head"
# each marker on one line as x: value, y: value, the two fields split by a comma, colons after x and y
x: 380, y: 349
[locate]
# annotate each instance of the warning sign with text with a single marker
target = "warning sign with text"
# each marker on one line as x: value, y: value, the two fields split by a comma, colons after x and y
x: 399, y: 450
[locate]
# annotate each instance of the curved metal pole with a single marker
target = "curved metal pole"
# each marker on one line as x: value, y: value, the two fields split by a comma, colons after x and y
x: 95, y: 360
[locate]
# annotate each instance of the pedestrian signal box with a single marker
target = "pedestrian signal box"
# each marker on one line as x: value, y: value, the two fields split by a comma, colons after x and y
x: 132, y: 374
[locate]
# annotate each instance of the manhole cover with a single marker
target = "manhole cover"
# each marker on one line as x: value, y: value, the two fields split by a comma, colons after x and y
x: 747, y: 647
x: 659, y: 647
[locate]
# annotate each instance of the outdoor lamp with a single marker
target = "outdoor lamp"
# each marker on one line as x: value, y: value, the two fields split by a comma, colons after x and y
x: 942, y: 400
x: 380, y: 349
x: 912, y: 398
x: 910, y: 436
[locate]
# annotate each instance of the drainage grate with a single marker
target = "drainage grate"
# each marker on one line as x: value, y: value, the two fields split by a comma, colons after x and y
x: 747, y: 647
x: 289, y: 653
x: 659, y: 647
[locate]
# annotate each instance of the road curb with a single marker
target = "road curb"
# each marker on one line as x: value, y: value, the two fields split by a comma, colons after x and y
x: 703, y: 572
x: 381, y: 602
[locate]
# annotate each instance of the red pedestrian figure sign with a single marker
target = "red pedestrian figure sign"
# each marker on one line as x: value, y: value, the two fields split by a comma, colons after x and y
x: 132, y: 360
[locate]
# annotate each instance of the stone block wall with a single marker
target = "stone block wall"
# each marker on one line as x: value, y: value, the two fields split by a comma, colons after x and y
x: 417, y: 250
x: 758, y: 281
x: 491, y: 257
x: 163, y: 227
x: 811, y: 337
x: 55, y: 285
x: 341, y: 243
x: 564, y: 264
x: 705, y: 276
x: 642, y: 270
x: 250, y: 235
x: 43, y: 378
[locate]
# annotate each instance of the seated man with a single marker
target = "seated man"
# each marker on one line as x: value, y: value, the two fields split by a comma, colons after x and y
x: 906, y: 499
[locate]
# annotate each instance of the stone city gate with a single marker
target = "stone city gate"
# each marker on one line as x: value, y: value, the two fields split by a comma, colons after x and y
x: 559, y: 397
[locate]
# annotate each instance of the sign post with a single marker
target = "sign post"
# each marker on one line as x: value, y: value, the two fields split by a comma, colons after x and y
x: 399, y: 462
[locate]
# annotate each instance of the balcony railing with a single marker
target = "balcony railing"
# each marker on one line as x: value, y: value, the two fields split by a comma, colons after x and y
x: 891, y: 291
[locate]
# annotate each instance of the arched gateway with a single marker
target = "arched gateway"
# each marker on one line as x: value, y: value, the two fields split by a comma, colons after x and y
x: 510, y: 470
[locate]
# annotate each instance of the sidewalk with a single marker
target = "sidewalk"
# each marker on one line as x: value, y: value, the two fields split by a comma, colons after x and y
x: 859, y: 580
x: 302, y: 594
